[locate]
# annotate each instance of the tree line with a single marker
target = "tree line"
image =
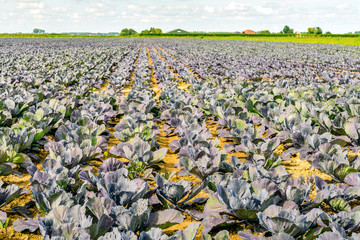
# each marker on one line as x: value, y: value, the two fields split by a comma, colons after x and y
x: 285, y: 30
x: 131, y: 32
x: 311, y: 30
x: 157, y: 31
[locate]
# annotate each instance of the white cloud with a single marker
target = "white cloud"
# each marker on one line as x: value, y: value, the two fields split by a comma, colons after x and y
x: 235, y: 7
x: 209, y: 9
x: 134, y: 8
x: 342, y: 6
x: 75, y: 16
x: 60, y: 10
x: 265, y: 10
x: 30, y: 5
x: 99, y: 8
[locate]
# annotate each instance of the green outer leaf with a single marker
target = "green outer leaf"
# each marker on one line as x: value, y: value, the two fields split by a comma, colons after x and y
x: 240, y: 124
x: 6, y: 170
x: 190, y: 232
x: 339, y: 204
x: 343, y: 170
x: 351, y: 131
x: 166, y: 218
x: 39, y: 114
x: 162, y: 200
x: 213, y: 206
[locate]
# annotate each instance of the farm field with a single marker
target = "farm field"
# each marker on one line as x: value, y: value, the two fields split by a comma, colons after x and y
x: 178, y: 139
x: 304, y: 39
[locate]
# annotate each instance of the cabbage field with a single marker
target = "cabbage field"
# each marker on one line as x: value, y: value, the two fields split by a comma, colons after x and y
x: 184, y: 139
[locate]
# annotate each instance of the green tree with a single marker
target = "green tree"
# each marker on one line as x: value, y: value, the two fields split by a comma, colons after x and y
x: 152, y: 31
x: 128, y: 32
x: 158, y: 31
x: 124, y: 32
x: 38, y: 31
x: 132, y: 32
x: 312, y: 30
x: 319, y: 30
x: 315, y: 30
x: 287, y: 29
x: 145, y: 32
x: 155, y: 30
x: 328, y: 32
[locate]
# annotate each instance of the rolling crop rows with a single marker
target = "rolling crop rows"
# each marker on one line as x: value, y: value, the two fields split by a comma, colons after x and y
x: 178, y: 139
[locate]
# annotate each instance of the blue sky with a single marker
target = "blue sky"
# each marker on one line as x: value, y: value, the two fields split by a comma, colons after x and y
x: 337, y: 16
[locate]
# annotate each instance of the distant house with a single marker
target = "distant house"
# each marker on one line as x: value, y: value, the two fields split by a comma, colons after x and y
x: 178, y: 31
x: 248, y: 31
x: 236, y: 32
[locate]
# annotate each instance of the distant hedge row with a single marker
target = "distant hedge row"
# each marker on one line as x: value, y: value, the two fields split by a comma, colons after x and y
x: 188, y: 35
x: 339, y: 35
x: 250, y: 35
x: 218, y: 35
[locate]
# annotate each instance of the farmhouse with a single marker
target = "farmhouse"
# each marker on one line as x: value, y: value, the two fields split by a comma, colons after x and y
x: 178, y: 31
x: 248, y: 31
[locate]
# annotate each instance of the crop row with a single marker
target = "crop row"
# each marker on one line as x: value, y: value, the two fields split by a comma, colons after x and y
x: 85, y: 122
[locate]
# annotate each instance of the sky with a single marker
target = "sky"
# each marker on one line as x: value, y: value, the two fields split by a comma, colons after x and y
x: 336, y: 16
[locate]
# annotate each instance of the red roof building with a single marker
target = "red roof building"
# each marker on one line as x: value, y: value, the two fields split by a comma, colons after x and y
x: 248, y: 31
